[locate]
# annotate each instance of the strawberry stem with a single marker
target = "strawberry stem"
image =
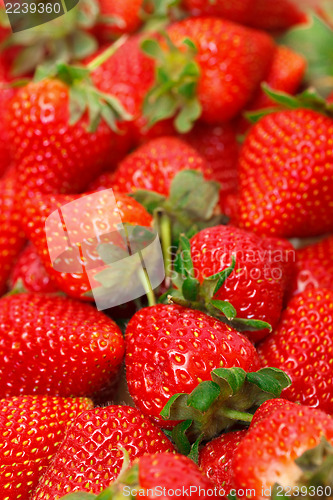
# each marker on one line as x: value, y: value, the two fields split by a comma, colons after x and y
x: 236, y: 415
x: 146, y: 283
x: 106, y: 54
x: 166, y: 240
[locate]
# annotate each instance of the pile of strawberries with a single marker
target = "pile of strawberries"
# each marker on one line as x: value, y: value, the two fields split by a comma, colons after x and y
x: 212, y: 122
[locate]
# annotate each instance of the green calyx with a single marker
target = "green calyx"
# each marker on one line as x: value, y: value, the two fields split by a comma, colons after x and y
x: 317, y: 474
x: 230, y: 398
x: 309, y: 99
x: 190, y: 206
x: 157, y: 14
x: 175, y: 91
x: 63, y: 39
x: 189, y: 292
x: 84, y: 97
x: 314, y: 41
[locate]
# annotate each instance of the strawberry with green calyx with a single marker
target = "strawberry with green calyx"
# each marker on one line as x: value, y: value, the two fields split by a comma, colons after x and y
x: 150, y: 475
x: 92, y: 454
x: 192, y: 67
x: 66, y: 39
x: 32, y: 429
x: 289, y: 449
x: 80, y: 130
x: 230, y: 397
x: 226, y: 287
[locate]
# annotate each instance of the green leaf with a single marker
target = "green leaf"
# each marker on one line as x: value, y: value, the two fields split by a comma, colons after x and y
x: 190, y: 288
x: 270, y: 380
x: 179, y: 437
x: 250, y: 325
x: 84, y: 44
x: 230, y: 380
x: 77, y: 104
x: 27, y: 60
x: 111, y: 253
x: 225, y: 307
x: 221, y: 277
x: 153, y: 49
x: 186, y: 256
x: 194, y: 453
x: 203, y: 396
x: 188, y: 115
x: 149, y: 199
x: 315, y: 42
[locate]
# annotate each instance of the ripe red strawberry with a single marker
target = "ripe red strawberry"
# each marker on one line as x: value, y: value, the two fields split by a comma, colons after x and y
x: 170, y: 349
x: 11, y: 236
x: 153, y: 166
x: 286, y: 75
x: 51, y: 155
x: 37, y: 209
x: 267, y: 408
x: 56, y: 346
x: 6, y: 93
x: 257, y: 286
x: 330, y: 98
x: 215, y: 459
x: 121, y: 17
x: 163, y: 474
x: 90, y: 457
x: 32, y: 429
x: 29, y: 274
x: 314, y: 267
x: 267, y: 453
x: 302, y: 346
x: 277, y: 15
x: 218, y: 145
x: 286, y: 175
x: 224, y: 73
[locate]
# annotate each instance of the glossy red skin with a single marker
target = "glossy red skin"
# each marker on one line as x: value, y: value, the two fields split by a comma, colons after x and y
x: 90, y: 457
x: 6, y: 93
x: 11, y: 235
x: 32, y: 429
x: 34, y: 214
x: 256, y: 288
x: 286, y: 75
x: 56, y: 346
x: 286, y: 175
x: 170, y: 349
x: 30, y: 273
x: 330, y: 98
x: 302, y: 346
x: 218, y: 145
x: 267, y: 453
x: 127, y: 14
x: 215, y: 459
x: 233, y: 61
x: 52, y: 156
x: 153, y: 166
x: 314, y: 267
x: 261, y: 14
x: 267, y: 408
x: 173, y: 472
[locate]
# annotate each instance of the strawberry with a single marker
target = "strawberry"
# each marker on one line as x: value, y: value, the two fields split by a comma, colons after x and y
x: 121, y: 17
x: 6, y: 93
x: 56, y: 346
x: 11, y: 236
x: 286, y: 74
x: 90, y: 457
x: 52, y: 154
x: 257, y: 287
x: 314, y: 266
x: 32, y: 429
x: 218, y: 145
x: 29, y: 274
x: 153, y: 166
x: 212, y: 75
x: 285, y: 175
x: 277, y: 15
x: 160, y: 474
x: 40, y: 207
x: 264, y: 461
x: 215, y: 459
x: 171, y: 351
x: 330, y: 98
x: 307, y: 322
